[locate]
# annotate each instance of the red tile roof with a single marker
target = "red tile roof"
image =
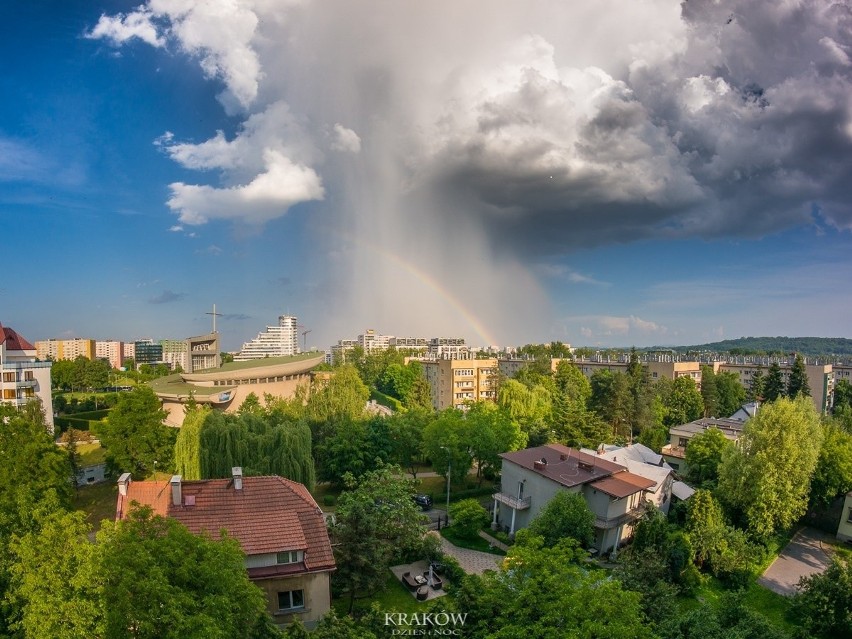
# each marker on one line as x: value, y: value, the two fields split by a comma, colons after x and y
x: 565, y: 466
x: 268, y: 515
x: 622, y: 484
x: 14, y: 341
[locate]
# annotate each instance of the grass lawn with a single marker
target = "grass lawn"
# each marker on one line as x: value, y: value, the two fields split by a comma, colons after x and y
x: 97, y: 501
x: 393, y: 597
x: 755, y: 597
x: 472, y: 544
x: 91, y: 454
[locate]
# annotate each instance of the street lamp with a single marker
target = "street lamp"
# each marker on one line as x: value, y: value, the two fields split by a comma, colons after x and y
x: 449, y: 473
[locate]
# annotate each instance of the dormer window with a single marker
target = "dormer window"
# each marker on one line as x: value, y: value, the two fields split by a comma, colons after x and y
x: 289, y: 557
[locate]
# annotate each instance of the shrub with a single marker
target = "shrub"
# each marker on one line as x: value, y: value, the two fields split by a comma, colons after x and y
x: 468, y: 518
x: 329, y: 500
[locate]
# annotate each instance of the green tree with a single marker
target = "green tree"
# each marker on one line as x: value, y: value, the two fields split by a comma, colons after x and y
x: 683, y: 403
x: 757, y: 386
x: 62, y: 374
x: 529, y: 406
x: 823, y: 606
x: 134, y: 435
x: 842, y: 394
x: 566, y: 515
x: 53, y: 582
x: 767, y: 476
x: 731, y: 393
x: 343, y: 396
x: 406, y: 438
x: 833, y: 474
x: 704, y: 453
x: 156, y: 579
x: 705, y: 525
x: 539, y: 590
x: 188, y: 444
x: 612, y: 400
x: 352, y: 449
x: 488, y: 432
x: 267, y: 444
x: 797, y: 381
x: 445, y: 445
x: 468, y: 517
x: 376, y: 522
x: 773, y: 388
x: 709, y: 392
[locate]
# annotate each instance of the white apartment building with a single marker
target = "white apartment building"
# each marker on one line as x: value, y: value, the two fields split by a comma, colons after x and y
x: 22, y: 378
x: 277, y: 341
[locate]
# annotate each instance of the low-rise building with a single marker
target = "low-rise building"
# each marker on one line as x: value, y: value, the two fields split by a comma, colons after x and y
x: 675, y: 451
x: 22, y: 377
x: 277, y: 523
x: 531, y: 478
x: 641, y: 460
x: 225, y: 388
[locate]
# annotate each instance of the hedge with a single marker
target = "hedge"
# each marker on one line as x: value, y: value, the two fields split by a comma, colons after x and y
x: 386, y: 400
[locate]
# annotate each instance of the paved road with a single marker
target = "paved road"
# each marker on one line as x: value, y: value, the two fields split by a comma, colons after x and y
x: 805, y: 555
x: 472, y: 561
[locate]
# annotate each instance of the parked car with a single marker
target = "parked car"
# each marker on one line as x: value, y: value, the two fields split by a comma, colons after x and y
x: 424, y: 501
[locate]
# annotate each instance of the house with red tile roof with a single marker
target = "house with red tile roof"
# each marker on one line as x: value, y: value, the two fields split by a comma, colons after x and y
x: 22, y: 378
x: 278, y: 524
x: 531, y: 478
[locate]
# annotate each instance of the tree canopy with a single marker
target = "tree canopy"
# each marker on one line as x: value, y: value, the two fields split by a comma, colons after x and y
x: 767, y: 476
x: 566, y: 515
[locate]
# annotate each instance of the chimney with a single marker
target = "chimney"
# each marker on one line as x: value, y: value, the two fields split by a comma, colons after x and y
x: 123, y: 483
x: 237, y: 472
x: 540, y: 464
x: 176, y: 492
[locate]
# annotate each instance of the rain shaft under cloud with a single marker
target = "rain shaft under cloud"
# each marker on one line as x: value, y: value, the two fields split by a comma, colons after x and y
x: 443, y: 149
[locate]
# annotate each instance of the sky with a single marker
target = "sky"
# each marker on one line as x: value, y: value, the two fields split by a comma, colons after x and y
x: 597, y: 172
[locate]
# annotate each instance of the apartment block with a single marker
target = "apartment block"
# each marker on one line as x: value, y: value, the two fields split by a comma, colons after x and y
x: 22, y: 377
x: 455, y: 382
x: 57, y: 349
x: 110, y: 350
x: 821, y: 377
x: 281, y: 340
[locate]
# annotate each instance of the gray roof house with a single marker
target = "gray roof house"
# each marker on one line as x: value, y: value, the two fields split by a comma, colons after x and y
x: 531, y: 478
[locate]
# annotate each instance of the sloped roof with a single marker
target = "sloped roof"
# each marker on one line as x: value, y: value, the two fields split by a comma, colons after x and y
x: 565, y: 466
x: 14, y: 341
x: 682, y: 491
x: 268, y: 515
x: 622, y: 484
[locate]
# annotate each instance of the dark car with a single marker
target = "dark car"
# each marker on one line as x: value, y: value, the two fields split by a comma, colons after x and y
x: 424, y: 501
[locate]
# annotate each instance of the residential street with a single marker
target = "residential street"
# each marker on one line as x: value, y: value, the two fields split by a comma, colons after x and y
x: 805, y: 555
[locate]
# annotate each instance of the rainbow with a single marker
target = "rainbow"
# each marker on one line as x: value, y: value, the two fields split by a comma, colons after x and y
x: 431, y: 283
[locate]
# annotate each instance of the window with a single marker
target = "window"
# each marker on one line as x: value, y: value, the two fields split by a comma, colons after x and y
x: 850, y: 515
x: 9, y: 394
x: 682, y: 442
x: 291, y: 599
x: 289, y: 557
x: 9, y: 377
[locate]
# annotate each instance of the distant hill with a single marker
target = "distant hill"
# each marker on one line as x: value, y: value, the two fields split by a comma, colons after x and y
x: 759, y: 345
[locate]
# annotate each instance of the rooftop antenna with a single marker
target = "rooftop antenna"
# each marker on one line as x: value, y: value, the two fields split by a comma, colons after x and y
x: 215, y: 315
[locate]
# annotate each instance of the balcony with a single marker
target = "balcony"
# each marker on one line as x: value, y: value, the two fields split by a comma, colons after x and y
x: 626, y: 518
x: 26, y: 383
x: 513, y: 502
x: 674, y: 451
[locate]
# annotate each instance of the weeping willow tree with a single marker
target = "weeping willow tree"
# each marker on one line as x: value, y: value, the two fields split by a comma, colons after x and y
x: 262, y: 444
x: 188, y: 445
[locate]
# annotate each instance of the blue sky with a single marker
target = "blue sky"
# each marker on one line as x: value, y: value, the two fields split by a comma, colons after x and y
x: 651, y: 175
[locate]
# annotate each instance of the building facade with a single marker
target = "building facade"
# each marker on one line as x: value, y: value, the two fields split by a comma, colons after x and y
x: 147, y: 352
x: 110, y: 350
x: 56, y: 349
x: 277, y: 523
x: 226, y: 388
x: 281, y: 340
x: 22, y: 377
x: 456, y: 382
x: 531, y: 478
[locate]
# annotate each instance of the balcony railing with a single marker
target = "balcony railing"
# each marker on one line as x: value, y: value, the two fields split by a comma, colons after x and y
x: 674, y: 451
x: 630, y: 515
x: 513, y: 502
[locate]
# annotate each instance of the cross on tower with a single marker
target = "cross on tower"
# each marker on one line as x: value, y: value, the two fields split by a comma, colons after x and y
x: 215, y: 315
